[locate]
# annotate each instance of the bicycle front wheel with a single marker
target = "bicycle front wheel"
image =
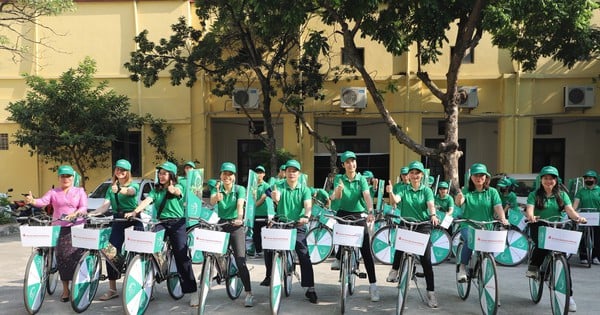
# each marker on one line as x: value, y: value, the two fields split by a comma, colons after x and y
x: 320, y: 244
x: 536, y: 287
x: 205, y: 281
x: 406, y: 267
x: 233, y: 282
x: 440, y: 246
x: 463, y: 288
x: 488, y: 285
x: 53, y: 275
x: 85, y: 281
x: 289, y: 272
x: 517, y: 247
x: 34, y: 283
x: 277, y: 279
x: 344, y: 280
x: 560, y: 286
x: 382, y: 245
x: 589, y: 245
x: 138, y: 284
x: 173, y: 279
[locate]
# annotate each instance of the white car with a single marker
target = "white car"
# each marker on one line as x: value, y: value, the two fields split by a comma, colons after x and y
x: 96, y: 197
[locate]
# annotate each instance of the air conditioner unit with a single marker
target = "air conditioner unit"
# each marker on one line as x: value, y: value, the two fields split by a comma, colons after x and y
x: 247, y: 98
x: 472, y: 99
x: 579, y: 96
x: 353, y: 97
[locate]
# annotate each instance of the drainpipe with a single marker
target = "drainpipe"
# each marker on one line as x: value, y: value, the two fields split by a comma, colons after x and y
x: 516, y: 117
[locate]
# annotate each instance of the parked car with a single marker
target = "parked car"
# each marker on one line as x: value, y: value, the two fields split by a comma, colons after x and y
x: 96, y: 197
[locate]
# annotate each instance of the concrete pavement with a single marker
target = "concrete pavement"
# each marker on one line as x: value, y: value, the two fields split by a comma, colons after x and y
x: 514, y: 292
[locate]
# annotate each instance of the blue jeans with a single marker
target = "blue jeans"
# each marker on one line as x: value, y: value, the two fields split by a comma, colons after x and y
x: 465, y: 254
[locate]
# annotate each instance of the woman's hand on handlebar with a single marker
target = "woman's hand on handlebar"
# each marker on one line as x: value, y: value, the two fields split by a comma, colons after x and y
x: 130, y: 215
x: 237, y: 222
x: 435, y: 221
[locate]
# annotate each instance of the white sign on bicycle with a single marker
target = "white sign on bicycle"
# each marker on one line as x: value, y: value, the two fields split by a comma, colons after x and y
x: 559, y: 239
x: 487, y: 241
x: 89, y: 238
x: 348, y: 235
x: 411, y: 241
x: 39, y: 236
x: 210, y: 241
x: 144, y: 241
x: 278, y: 239
x: 592, y: 218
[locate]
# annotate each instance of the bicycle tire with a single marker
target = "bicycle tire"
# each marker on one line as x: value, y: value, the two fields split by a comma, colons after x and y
x: 406, y: 267
x: 233, y: 282
x: 85, y: 282
x: 456, y: 239
x: 320, y: 244
x: 516, y: 251
x: 463, y: 288
x: 589, y: 245
x: 344, y: 280
x: 288, y: 273
x: 378, y: 225
x: 138, y: 284
x: 173, y: 279
x: 205, y: 282
x: 536, y: 286
x: 440, y: 246
x: 352, y: 267
x: 382, y: 245
x: 276, y: 287
x: 34, y: 282
x: 560, y: 286
x: 487, y: 278
x: 197, y: 256
x: 52, y: 281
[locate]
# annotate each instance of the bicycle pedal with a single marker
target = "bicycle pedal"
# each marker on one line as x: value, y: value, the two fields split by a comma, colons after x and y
x: 362, y: 275
x: 419, y: 275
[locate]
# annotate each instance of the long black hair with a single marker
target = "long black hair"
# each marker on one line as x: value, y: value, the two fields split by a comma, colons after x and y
x: 540, y: 196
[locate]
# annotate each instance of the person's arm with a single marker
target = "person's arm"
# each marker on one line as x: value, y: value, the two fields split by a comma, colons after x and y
x: 307, y: 212
x: 529, y: 213
x: 459, y: 199
x: 102, y: 209
x: 394, y: 199
x: 574, y: 215
x: 145, y: 203
x: 576, y: 203
x: 260, y: 200
x: 432, y: 213
x: 500, y: 214
x: 240, y: 211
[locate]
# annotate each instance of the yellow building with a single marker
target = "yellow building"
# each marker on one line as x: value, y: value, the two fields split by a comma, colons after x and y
x: 514, y: 122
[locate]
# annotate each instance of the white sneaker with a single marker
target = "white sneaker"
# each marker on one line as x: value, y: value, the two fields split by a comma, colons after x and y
x: 584, y: 261
x: 431, y: 299
x: 335, y: 265
x: 249, y: 301
x: 194, y: 299
x: 392, y: 276
x: 374, y: 292
x: 462, y: 275
x: 572, y: 305
x: 596, y: 261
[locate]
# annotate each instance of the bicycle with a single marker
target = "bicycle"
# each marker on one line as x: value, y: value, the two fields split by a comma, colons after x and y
x: 349, y: 238
x: 214, y: 244
x: 481, y: 269
x: 41, y: 272
x: 94, y: 237
x: 319, y: 237
x: 152, y: 262
x: 284, y: 266
x: 555, y: 271
x: 407, y: 265
x: 382, y: 242
x: 517, y: 243
x: 588, y: 236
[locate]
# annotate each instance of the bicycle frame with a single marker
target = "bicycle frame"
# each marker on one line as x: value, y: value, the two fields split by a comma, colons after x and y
x: 282, y: 271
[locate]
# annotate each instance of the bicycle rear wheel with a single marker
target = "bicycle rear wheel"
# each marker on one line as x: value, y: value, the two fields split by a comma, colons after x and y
x: 382, y: 245
x: 517, y: 248
x: 352, y: 269
x: 344, y: 280
x: 34, y: 283
x: 138, y: 284
x: 589, y: 245
x: 85, y: 281
x: 536, y: 287
x: 53, y: 275
x: 277, y: 280
x: 488, y: 285
x: 233, y: 282
x: 205, y: 281
x: 440, y: 246
x: 173, y: 279
x: 560, y: 286
x: 289, y: 272
x: 406, y: 267
x: 463, y: 288
x: 320, y: 244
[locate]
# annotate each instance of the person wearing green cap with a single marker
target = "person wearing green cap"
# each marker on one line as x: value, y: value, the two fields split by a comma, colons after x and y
x: 352, y: 191
x: 187, y: 167
x: 507, y: 196
x: 547, y: 202
x: 294, y: 203
x: 479, y: 202
x: 261, y: 210
x: 416, y: 203
x: 229, y: 199
x: 372, y: 181
x: 444, y: 202
x: 588, y: 197
x: 167, y: 196
x: 69, y: 204
x: 404, y: 175
x: 121, y: 198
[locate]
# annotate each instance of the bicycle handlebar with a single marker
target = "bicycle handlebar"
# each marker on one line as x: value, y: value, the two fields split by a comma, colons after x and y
x: 555, y: 224
x: 478, y: 223
x: 414, y: 223
x: 344, y: 220
x: 204, y: 222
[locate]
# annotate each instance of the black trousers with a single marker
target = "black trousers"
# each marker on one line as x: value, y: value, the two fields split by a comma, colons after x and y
x: 117, y: 238
x: 365, y: 250
x: 237, y: 241
x: 307, y: 275
x: 425, y: 260
x: 175, y: 230
x: 256, y: 236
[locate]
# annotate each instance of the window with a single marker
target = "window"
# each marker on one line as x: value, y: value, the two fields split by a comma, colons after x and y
x: 469, y: 55
x: 3, y: 141
x: 128, y: 146
x: 248, y: 158
x: 349, y: 128
x: 346, y: 56
x: 543, y: 126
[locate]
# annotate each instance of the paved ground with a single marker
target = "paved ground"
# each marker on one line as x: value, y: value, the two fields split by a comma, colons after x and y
x: 513, y: 290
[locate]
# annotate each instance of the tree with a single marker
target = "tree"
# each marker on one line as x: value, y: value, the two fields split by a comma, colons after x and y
x: 247, y: 41
x: 565, y: 35
x: 18, y: 19
x: 70, y: 120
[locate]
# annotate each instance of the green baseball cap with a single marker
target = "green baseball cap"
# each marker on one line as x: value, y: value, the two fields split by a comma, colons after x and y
x: 124, y: 164
x: 504, y: 182
x: 66, y: 170
x: 431, y: 180
x: 190, y: 163
x: 293, y: 163
x: 404, y: 170
x: 443, y: 185
x: 368, y: 174
x: 591, y: 173
x: 228, y: 167
x: 549, y: 170
x: 479, y: 168
x: 260, y: 169
x: 169, y: 167
x: 416, y: 165
x: 347, y: 155
x: 282, y: 167
x: 212, y: 182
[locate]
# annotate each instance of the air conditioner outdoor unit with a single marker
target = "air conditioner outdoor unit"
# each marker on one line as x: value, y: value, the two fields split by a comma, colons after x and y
x: 472, y: 99
x: 579, y: 96
x: 247, y: 98
x: 353, y: 97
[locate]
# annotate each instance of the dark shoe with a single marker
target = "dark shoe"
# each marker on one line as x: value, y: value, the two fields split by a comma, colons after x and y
x: 266, y: 282
x: 64, y: 299
x: 311, y: 296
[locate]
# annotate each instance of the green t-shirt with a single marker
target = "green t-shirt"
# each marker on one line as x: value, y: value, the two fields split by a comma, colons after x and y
x: 510, y: 199
x: 262, y: 210
x: 589, y: 197
x: 352, y: 196
x: 551, y: 209
x: 227, y: 208
x: 479, y: 206
x: 444, y: 204
x: 173, y: 208
x: 127, y: 203
x: 291, y: 201
x: 321, y: 195
x: 413, y: 203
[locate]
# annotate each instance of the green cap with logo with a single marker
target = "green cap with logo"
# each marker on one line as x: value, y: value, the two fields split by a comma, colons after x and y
x: 347, y: 155
x: 169, y: 167
x: 66, y: 170
x: 416, y: 165
x: 212, y: 183
x: 368, y: 174
x: 479, y: 168
x: 228, y: 167
x: 259, y: 169
x: 443, y: 185
x: 504, y: 182
x: 124, y: 164
x: 549, y: 170
x: 293, y: 163
x: 404, y: 170
x: 282, y: 167
x: 591, y: 173
x: 190, y: 163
